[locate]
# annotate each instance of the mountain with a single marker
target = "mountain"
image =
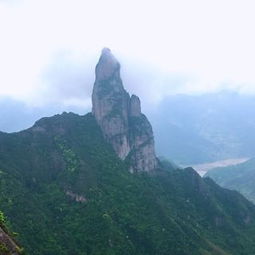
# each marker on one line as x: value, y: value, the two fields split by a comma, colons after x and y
x: 66, y: 192
x: 194, y: 129
x: 66, y: 189
x: 120, y: 117
x: 239, y: 177
x: 188, y: 129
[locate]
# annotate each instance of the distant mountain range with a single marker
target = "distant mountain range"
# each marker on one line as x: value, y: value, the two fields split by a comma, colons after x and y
x: 188, y: 129
x: 239, y: 177
x: 205, y: 128
x: 92, y: 184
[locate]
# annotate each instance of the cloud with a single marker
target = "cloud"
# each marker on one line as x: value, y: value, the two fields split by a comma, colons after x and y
x: 17, y: 115
x: 49, y: 48
x: 10, y: 2
x: 68, y: 79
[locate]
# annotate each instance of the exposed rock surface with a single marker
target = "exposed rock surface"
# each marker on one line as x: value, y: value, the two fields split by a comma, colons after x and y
x: 120, y: 117
x: 135, y: 106
x: 76, y: 197
x: 7, y: 244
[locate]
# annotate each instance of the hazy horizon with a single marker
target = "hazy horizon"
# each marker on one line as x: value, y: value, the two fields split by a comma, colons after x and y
x: 49, y: 49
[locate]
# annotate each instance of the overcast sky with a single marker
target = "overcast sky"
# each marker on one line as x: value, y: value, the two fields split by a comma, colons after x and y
x: 49, y: 48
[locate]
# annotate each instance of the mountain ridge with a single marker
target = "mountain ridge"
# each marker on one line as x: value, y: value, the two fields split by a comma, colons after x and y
x: 238, y: 177
x: 66, y: 190
x: 80, y: 163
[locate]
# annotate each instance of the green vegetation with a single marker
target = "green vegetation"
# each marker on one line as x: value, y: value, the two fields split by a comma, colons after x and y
x: 2, y: 218
x: 69, y: 156
x: 171, y: 212
x: 7, y: 244
x: 3, y: 248
x: 240, y: 177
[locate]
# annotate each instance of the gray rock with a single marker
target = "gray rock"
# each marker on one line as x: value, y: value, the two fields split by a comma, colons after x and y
x: 142, y: 153
x: 120, y: 118
x: 135, y: 106
x: 110, y: 102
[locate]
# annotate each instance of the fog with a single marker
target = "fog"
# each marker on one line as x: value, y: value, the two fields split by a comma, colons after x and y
x: 49, y: 49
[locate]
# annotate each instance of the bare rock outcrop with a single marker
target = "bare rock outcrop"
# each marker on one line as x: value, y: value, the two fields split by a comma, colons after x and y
x: 7, y: 245
x: 135, y: 106
x: 120, y: 117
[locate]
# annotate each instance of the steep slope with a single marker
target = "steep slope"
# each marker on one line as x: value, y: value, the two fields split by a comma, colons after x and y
x: 66, y: 192
x: 239, y: 177
x: 120, y: 118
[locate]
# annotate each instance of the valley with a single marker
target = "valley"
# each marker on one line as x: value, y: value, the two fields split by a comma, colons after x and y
x: 202, y: 169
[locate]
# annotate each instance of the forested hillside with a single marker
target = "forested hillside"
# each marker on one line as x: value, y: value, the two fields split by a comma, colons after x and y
x: 65, y: 192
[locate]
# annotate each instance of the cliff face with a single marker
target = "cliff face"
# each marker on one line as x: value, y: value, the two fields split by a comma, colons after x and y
x: 120, y: 117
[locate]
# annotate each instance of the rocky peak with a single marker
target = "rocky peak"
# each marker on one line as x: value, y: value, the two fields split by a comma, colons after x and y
x: 135, y: 106
x: 107, y: 66
x: 110, y: 102
x: 120, y: 118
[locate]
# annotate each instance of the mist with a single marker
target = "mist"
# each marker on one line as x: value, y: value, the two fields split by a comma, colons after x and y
x: 182, y: 49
